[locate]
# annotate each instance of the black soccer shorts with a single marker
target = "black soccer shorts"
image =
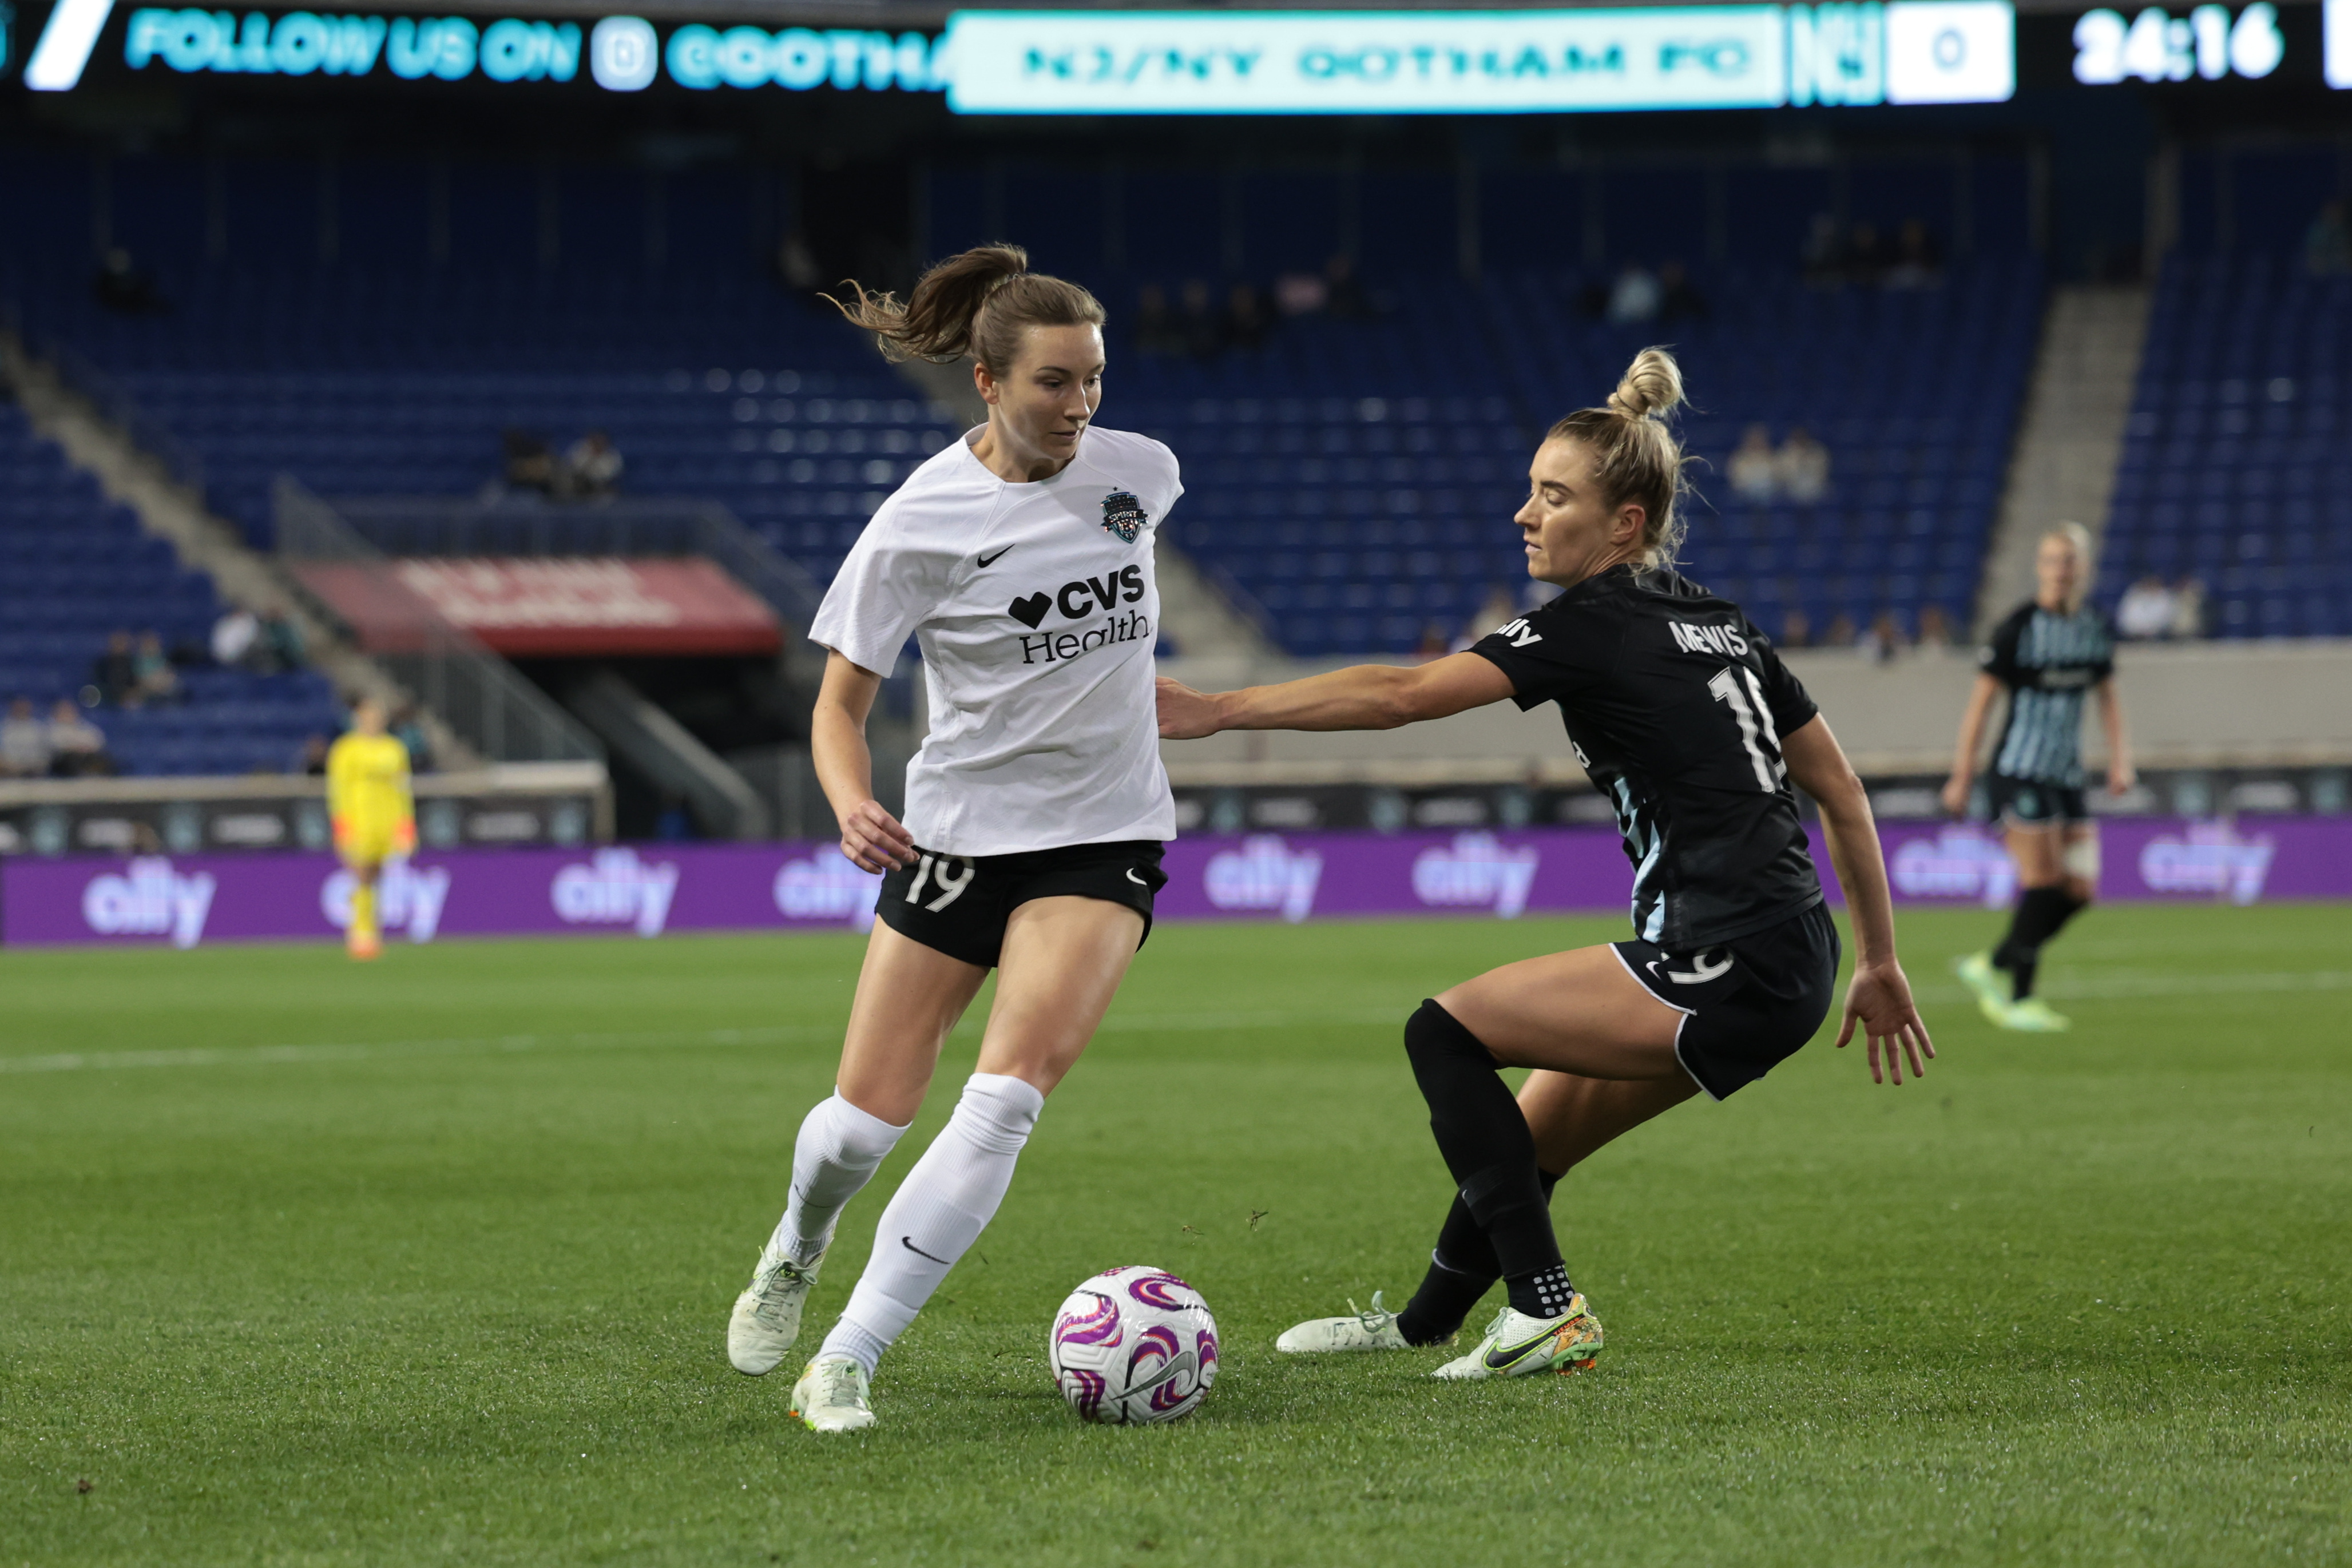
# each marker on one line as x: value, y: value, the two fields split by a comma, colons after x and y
x: 2026, y: 803
x: 1747, y: 1004
x: 958, y: 905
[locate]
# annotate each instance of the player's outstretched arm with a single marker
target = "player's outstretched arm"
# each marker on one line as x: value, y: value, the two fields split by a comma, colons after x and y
x: 870, y: 836
x: 1879, y: 999
x: 1361, y: 696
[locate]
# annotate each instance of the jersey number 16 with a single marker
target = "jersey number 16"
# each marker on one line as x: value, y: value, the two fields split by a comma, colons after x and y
x: 1736, y: 686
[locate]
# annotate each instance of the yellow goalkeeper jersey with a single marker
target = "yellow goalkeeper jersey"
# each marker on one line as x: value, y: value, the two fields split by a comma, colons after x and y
x: 367, y: 782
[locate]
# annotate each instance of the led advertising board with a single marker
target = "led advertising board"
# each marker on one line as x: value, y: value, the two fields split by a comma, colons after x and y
x: 1479, y: 62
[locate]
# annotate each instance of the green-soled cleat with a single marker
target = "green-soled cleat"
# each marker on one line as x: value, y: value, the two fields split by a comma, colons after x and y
x: 1991, y: 986
x: 2035, y: 1016
x: 1516, y: 1345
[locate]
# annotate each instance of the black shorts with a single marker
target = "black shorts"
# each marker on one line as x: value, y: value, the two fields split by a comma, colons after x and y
x: 1748, y: 1004
x: 958, y: 905
x: 2027, y: 803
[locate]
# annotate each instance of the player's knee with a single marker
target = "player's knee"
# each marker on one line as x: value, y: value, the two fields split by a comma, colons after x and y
x: 1433, y: 1036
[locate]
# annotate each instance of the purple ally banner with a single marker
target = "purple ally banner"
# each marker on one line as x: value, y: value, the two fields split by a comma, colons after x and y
x: 646, y: 890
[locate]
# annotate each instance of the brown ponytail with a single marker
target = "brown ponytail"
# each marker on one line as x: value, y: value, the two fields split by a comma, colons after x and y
x: 1635, y: 456
x: 975, y: 304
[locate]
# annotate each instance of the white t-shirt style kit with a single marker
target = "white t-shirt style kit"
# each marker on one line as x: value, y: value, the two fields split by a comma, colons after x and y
x: 1036, y: 610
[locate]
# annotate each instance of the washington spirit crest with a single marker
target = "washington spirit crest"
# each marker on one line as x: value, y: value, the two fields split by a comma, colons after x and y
x: 1124, y: 515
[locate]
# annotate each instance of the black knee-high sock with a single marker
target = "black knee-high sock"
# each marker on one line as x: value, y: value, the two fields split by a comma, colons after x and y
x: 1460, y: 1270
x: 2041, y: 911
x: 1490, y: 1153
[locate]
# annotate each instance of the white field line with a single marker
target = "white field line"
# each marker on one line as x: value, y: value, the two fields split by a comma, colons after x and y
x: 2120, y: 987
x: 241, y: 1056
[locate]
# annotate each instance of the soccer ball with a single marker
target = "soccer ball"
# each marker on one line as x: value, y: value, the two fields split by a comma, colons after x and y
x: 1134, y: 1345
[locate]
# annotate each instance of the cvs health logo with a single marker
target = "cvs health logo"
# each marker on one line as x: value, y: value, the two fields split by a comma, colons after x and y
x: 406, y: 899
x: 615, y: 889
x: 1475, y: 871
x: 148, y: 898
x: 827, y: 887
x: 1264, y: 872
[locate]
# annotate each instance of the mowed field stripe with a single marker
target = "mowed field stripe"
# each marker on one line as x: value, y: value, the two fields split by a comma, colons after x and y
x: 487, y: 1045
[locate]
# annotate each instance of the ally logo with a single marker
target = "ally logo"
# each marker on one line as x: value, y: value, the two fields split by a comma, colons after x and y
x: 827, y: 887
x: 407, y: 898
x: 1476, y: 871
x: 1264, y: 872
x: 2209, y: 858
x: 148, y: 898
x: 1959, y: 862
x: 616, y: 888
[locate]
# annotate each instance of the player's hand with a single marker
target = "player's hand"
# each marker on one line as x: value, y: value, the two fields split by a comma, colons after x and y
x: 872, y: 839
x: 2121, y: 778
x: 1880, y: 1001
x: 1956, y: 794
x: 1185, y: 714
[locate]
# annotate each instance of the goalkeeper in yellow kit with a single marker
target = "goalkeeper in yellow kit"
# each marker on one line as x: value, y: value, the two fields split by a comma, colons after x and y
x: 373, y: 814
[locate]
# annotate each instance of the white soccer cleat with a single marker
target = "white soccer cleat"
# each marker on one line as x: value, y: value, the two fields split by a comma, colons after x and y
x: 830, y: 1395
x: 1516, y: 1345
x: 767, y: 1317
x: 1375, y: 1330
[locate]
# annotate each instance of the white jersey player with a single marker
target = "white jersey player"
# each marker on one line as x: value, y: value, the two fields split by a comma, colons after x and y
x: 1020, y: 559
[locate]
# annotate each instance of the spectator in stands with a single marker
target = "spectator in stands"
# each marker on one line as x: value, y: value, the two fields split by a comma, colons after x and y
x: 408, y: 728
x: 234, y: 636
x: 1935, y: 628
x: 1805, y: 466
x: 158, y: 681
x: 1155, y: 327
x: 530, y: 466
x: 1840, y: 633
x: 283, y: 639
x: 115, y: 673
x: 1432, y: 643
x: 796, y: 264
x: 1634, y: 297
x: 1866, y: 255
x: 1796, y: 629
x: 1679, y: 298
x: 24, y: 742
x: 1343, y: 292
x: 2144, y: 613
x: 123, y: 286
x: 1495, y: 612
x: 593, y: 468
x: 2327, y: 243
x: 311, y: 760
x: 1199, y: 327
x: 1885, y: 641
x: 1917, y: 263
x: 2189, y: 608
x: 1245, y: 320
x: 76, y: 746
x: 1301, y: 294
x: 1755, y: 468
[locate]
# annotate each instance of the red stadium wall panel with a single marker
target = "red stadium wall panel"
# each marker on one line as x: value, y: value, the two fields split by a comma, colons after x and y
x: 549, y: 606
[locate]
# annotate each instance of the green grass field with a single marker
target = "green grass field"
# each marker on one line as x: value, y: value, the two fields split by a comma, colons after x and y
x: 430, y: 1262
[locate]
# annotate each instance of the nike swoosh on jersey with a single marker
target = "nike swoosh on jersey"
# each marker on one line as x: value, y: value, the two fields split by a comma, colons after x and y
x: 909, y: 1244
x: 989, y: 559
x: 1700, y: 972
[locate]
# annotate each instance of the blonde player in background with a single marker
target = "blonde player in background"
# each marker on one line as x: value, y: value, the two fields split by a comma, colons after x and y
x: 373, y: 814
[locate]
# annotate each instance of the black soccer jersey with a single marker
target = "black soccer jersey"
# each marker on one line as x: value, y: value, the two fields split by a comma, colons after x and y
x: 1675, y: 704
x: 2048, y: 662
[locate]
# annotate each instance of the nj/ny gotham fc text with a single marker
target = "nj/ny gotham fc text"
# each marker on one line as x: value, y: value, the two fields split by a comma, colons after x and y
x: 1086, y: 596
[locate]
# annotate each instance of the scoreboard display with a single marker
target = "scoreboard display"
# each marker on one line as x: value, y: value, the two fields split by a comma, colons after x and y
x: 1844, y: 53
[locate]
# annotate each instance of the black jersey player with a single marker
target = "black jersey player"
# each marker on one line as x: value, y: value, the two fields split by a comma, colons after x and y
x: 1683, y: 713
x: 2049, y: 654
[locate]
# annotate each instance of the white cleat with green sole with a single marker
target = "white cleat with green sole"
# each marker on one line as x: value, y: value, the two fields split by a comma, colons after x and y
x: 1375, y: 1330
x: 767, y: 1316
x: 830, y: 1395
x: 1516, y: 1345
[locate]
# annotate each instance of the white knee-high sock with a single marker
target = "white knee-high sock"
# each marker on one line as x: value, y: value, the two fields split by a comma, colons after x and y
x: 937, y: 1212
x: 837, y: 1154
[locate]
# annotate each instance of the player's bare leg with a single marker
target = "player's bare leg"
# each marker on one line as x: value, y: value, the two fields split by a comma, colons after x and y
x: 1061, y: 964
x: 908, y: 998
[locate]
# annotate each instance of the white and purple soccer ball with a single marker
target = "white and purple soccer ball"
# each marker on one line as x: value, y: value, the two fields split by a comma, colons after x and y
x: 1134, y: 1345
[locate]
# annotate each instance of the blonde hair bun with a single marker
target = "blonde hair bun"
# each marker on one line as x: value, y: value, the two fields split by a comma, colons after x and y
x: 1652, y: 388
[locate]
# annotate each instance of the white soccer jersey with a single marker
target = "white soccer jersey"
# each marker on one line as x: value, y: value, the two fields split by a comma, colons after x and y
x: 1036, y: 610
